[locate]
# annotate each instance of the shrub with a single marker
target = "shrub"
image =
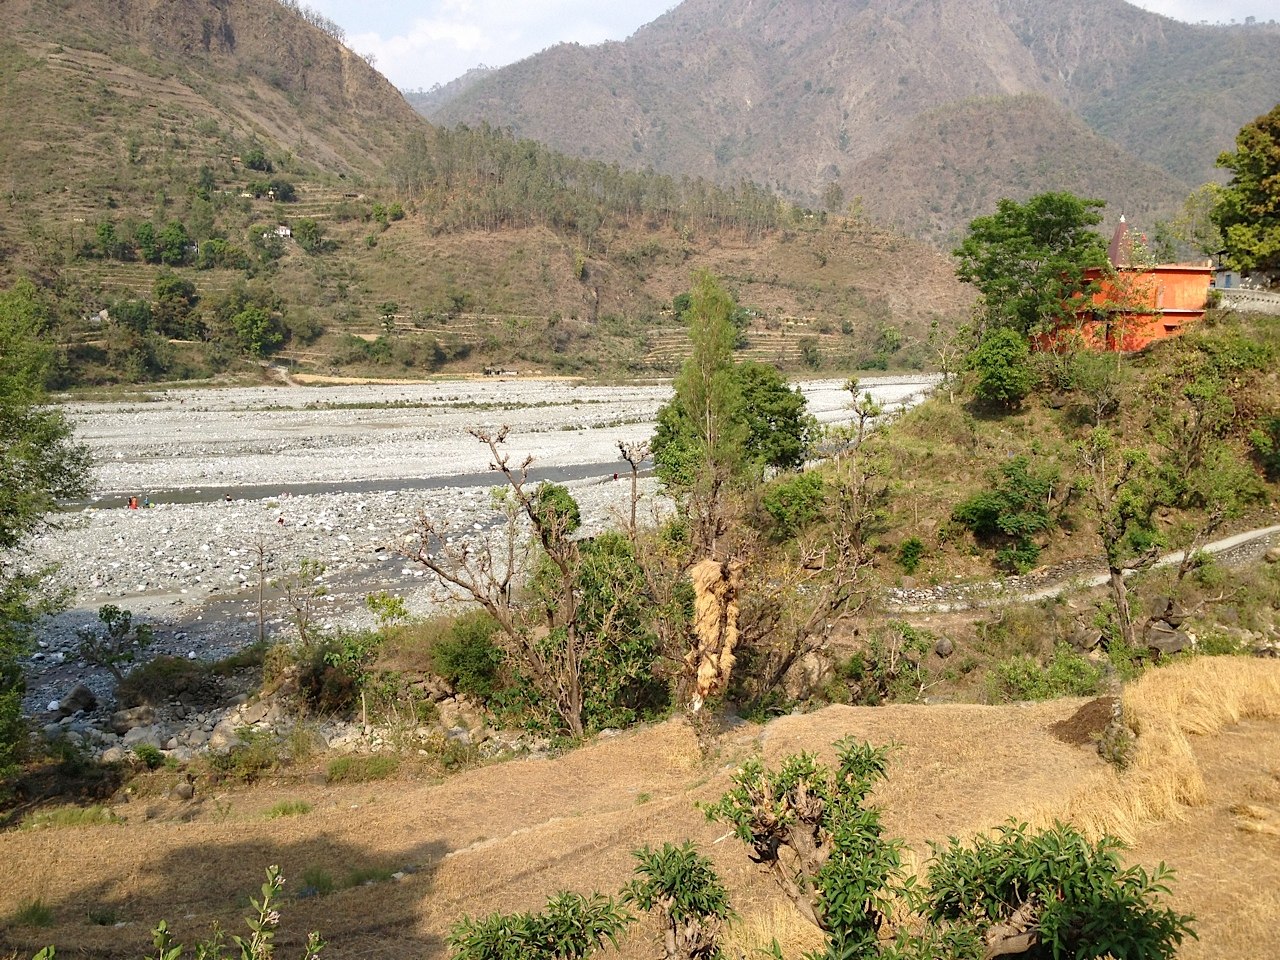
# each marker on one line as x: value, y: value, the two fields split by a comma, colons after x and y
x: 361, y: 768
x: 150, y: 756
x: 692, y: 903
x: 569, y: 927
x: 467, y: 656
x: 794, y: 502
x: 158, y: 681
x: 1012, y: 511
x: 33, y: 913
x: 1002, y: 362
x: 889, y: 668
x: 910, y: 553
x: 1068, y: 674
x: 64, y: 817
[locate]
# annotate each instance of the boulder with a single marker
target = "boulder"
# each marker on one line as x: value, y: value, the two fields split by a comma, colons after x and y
x: 1164, y: 639
x: 183, y: 791
x: 122, y: 721
x: 151, y: 735
x: 945, y: 647
x: 1272, y: 555
x: 1085, y: 636
x: 78, y: 698
x: 224, y: 736
x: 115, y: 755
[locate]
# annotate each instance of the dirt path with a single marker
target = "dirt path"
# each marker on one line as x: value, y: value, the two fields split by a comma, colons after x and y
x: 1083, y: 573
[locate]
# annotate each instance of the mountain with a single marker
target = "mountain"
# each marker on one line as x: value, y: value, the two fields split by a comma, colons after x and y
x: 801, y: 94
x: 244, y: 150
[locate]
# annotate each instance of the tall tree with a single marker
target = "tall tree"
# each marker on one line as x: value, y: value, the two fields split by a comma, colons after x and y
x: 1029, y: 259
x: 40, y: 464
x: 1248, y: 210
x: 698, y: 445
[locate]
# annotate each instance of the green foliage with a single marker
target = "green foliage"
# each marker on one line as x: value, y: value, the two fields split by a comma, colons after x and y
x: 795, y: 501
x: 910, y: 553
x: 69, y: 817
x: 363, y: 768
x: 256, y: 159
x: 555, y: 509
x: 1002, y: 361
x: 33, y: 913
x: 467, y: 655
x: 118, y: 642
x: 1074, y: 895
x: 569, y: 927
x: 1029, y: 259
x: 40, y: 464
x: 889, y: 667
x: 682, y: 885
x: 1248, y: 208
x: 1067, y: 674
x: 1012, y: 511
x: 387, y: 608
x: 258, y: 331
x: 150, y: 756
x: 288, y: 808
x: 844, y: 874
x: 1264, y: 439
x: 779, y: 433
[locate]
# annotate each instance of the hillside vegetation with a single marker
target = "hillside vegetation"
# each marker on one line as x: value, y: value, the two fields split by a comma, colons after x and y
x: 233, y: 181
x: 816, y: 94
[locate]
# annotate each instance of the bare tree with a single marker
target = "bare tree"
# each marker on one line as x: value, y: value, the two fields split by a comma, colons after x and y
x: 550, y: 640
x: 634, y: 454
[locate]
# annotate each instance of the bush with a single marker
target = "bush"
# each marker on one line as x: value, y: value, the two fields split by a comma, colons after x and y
x: 467, y: 656
x: 910, y: 553
x: 1002, y: 362
x: 889, y: 668
x: 1068, y: 674
x: 288, y: 808
x: 794, y: 502
x: 1011, y: 512
x: 358, y: 768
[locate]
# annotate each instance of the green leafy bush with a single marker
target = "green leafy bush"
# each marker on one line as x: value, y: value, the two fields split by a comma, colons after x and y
x: 1003, y: 364
x: 1068, y: 674
x: 1012, y: 511
x: 683, y: 887
x: 467, y: 655
x: 570, y: 926
x: 910, y: 553
x: 794, y: 502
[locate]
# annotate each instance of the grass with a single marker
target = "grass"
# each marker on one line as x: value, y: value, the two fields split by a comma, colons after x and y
x: 288, y: 808
x: 362, y: 768
x: 68, y: 817
x: 33, y: 913
x: 1195, y: 697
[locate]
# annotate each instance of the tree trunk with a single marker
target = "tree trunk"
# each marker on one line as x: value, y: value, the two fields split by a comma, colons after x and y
x: 1120, y: 593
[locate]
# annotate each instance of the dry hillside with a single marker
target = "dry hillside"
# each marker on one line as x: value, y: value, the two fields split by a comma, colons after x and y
x: 1203, y: 792
x: 805, y: 93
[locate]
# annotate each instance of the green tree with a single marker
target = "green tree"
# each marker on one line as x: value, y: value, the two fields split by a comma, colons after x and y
x: 173, y: 308
x: 1003, y: 364
x: 1248, y: 210
x: 40, y: 464
x: 699, y: 441
x: 1029, y: 259
x: 779, y: 430
x: 258, y: 331
x: 173, y: 242
x: 1015, y: 508
x: 144, y: 238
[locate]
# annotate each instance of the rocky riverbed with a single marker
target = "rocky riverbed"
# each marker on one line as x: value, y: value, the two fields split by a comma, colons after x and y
x: 339, y: 475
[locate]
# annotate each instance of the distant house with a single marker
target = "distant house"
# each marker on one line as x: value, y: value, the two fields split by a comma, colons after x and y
x: 1137, y: 304
x: 280, y: 231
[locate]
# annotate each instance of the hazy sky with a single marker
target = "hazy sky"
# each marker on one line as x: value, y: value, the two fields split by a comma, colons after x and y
x: 419, y: 43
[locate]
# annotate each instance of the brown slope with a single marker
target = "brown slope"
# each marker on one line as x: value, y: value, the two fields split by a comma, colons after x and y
x: 800, y: 93
x: 953, y: 164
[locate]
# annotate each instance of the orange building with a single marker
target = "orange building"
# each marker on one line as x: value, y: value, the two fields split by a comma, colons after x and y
x: 1135, y: 304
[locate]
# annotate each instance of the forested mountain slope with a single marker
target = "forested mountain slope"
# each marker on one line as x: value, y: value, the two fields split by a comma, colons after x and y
x: 803, y: 94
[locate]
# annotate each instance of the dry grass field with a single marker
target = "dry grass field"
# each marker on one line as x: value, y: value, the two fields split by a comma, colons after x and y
x: 1202, y: 792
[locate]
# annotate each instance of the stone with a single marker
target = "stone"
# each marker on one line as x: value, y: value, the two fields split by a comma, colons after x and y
x: 152, y: 736
x: 945, y: 647
x: 1165, y: 639
x: 122, y: 721
x: 1085, y: 637
x: 252, y: 713
x: 114, y: 755
x: 223, y: 736
x: 198, y: 737
x: 80, y: 697
x: 1272, y: 555
x: 183, y: 791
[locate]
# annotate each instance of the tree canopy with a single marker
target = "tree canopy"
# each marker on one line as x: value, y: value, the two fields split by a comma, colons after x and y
x: 1029, y: 259
x: 39, y: 464
x: 1248, y: 209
